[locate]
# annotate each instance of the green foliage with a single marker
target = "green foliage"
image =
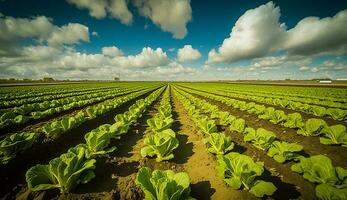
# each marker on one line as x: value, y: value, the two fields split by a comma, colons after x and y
x: 159, y: 124
x: 278, y: 116
x: 13, y: 144
x: 225, y: 118
x: 260, y: 138
x: 319, y: 169
x: 337, y: 114
x: 238, y: 125
x: 240, y: 170
x: 207, y: 126
x: 98, y: 140
x: 284, y: 151
x: 219, y: 143
x: 335, y: 134
x: 160, y: 144
x: 163, y: 185
x: 312, y: 127
x: 64, y: 172
x: 294, y: 120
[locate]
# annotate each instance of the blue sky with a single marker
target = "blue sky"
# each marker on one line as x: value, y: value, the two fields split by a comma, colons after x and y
x: 207, y: 23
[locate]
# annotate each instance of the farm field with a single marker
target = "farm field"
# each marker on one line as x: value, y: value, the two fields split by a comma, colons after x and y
x: 173, y: 140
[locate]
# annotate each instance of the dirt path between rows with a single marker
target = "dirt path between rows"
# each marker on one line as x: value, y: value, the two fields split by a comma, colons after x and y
x: 201, y: 166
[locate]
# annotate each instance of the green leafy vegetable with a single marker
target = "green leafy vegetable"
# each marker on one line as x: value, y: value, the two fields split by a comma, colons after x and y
x: 260, y: 138
x: 163, y: 185
x: 11, y: 145
x: 159, y: 124
x: 335, y: 134
x: 294, y: 120
x: 284, y: 151
x: 219, y: 143
x: 312, y: 127
x: 160, y: 144
x: 238, y: 125
x: 240, y: 170
x: 64, y: 172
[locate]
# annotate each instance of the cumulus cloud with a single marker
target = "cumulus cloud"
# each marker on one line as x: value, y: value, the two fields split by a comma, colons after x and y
x: 96, y: 9
x: 255, y: 34
x: 171, y: 16
x: 112, y: 51
x: 69, y: 34
x: 258, y: 33
x: 39, y: 28
x: 99, y: 9
x: 187, y: 53
x: 316, y: 36
x: 119, y: 10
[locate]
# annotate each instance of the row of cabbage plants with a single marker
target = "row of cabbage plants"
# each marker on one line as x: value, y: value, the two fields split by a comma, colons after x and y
x: 77, y: 165
x: 27, y: 112
x: 16, y: 143
x: 329, y: 135
x: 330, y: 180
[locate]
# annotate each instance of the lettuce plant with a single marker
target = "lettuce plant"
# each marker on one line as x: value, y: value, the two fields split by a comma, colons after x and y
x: 284, y: 151
x: 218, y: 143
x: 318, y: 111
x: 238, y: 125
x: 158, y: 124
x: 278, y: 116
x: 11, y: 145
x: 268, y: 113
x: 335, y: 134
x: 294, y: 120
x: 64, y: 172
x: 312, y: 127
x: 240, y: 170
x: 98, y: 140
x: 225, y: 118
x: 163, y: 185
x: 260, y: 138
x: 160, y: 144
x: 207, y: 126
x: 337, y: 114
x: 329, y: 192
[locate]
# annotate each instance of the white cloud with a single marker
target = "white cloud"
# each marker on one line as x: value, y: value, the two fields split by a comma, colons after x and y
x: 171, y: 16
x: 94, y: 33
x: 316, y: 36
x: 187, y: 53
x: 258, y: 33
x: 96, y: 9
x: 119, y: 10
x: 255, y: 34
x: 112, y: 51
x: 69, y: 34
x: 304, y: 68
x: 41, y: 30
x: 146, y: 59
x: 99, y: 9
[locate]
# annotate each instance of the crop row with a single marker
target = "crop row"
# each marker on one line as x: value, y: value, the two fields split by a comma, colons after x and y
x: 28, y: 112
x: 317, y: 169
x: 329, y: 94
x: 35, y: 99
x: 329, y: 135
x: 16, y: 143
x: 320, y: 111
x: 77, y: 165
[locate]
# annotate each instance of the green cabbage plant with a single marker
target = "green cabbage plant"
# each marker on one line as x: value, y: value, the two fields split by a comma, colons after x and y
x: 163, y: 185
x: 161, y: 145
x: 240, y: 170
x: 260, y: 138
x: 64, y: 172
x: 218, y: 143
x: 284, y: 151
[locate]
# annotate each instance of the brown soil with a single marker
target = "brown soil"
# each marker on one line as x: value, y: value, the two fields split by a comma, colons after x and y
x: 311, y: 145
x: 13, y: 173
x: 200, y: 165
